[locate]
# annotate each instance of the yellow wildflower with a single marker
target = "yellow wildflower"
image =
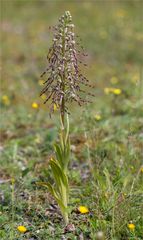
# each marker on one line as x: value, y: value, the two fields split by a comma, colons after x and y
x: 107, y: 90
x: 5, y: 100
x: 21, y: 229
x: 117, y: 91
x: 131, y: 226
x: 41, y: 82
x: 114, y: 80
x: 83, y: 209
x: 35, y: 105
x: 97, y: 117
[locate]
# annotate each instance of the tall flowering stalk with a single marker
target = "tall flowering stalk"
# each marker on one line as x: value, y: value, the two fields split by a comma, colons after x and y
x: 62, y: 86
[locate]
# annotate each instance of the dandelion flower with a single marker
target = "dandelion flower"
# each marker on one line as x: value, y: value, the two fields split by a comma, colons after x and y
x: 5, y: 100
x: 83, y: 209
x: 107, y: 90
x: 21, y: 229
x: 34, y: 105
x: 117, y: 91
x: 131, y: 226
x: 97, y: 117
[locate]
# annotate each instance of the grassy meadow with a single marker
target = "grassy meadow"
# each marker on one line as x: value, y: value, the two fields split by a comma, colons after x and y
x: 106, y: 166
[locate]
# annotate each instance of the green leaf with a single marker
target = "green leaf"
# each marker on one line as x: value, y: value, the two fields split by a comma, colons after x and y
x: 50, y: 188
x: 67, y: 154
x: 61, y: 141
x: 59, y: 154
x: 54, y: 194
x: 58, y: 173
x: 25, y: 172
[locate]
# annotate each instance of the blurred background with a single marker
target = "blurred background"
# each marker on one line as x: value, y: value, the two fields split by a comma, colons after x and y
x: 111, y: 32
x: 112, y: 35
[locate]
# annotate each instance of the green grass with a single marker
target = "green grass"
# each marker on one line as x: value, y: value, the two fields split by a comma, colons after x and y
x: 105, y: 170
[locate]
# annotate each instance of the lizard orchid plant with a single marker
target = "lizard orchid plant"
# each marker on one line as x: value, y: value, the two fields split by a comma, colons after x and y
x: 62, y: 86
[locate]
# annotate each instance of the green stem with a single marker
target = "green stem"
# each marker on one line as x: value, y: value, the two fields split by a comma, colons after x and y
x: 65, y: 190
x: 66, y: 218
x: 63, y: 81
x: 63, y: 134
x: 65, y: 201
